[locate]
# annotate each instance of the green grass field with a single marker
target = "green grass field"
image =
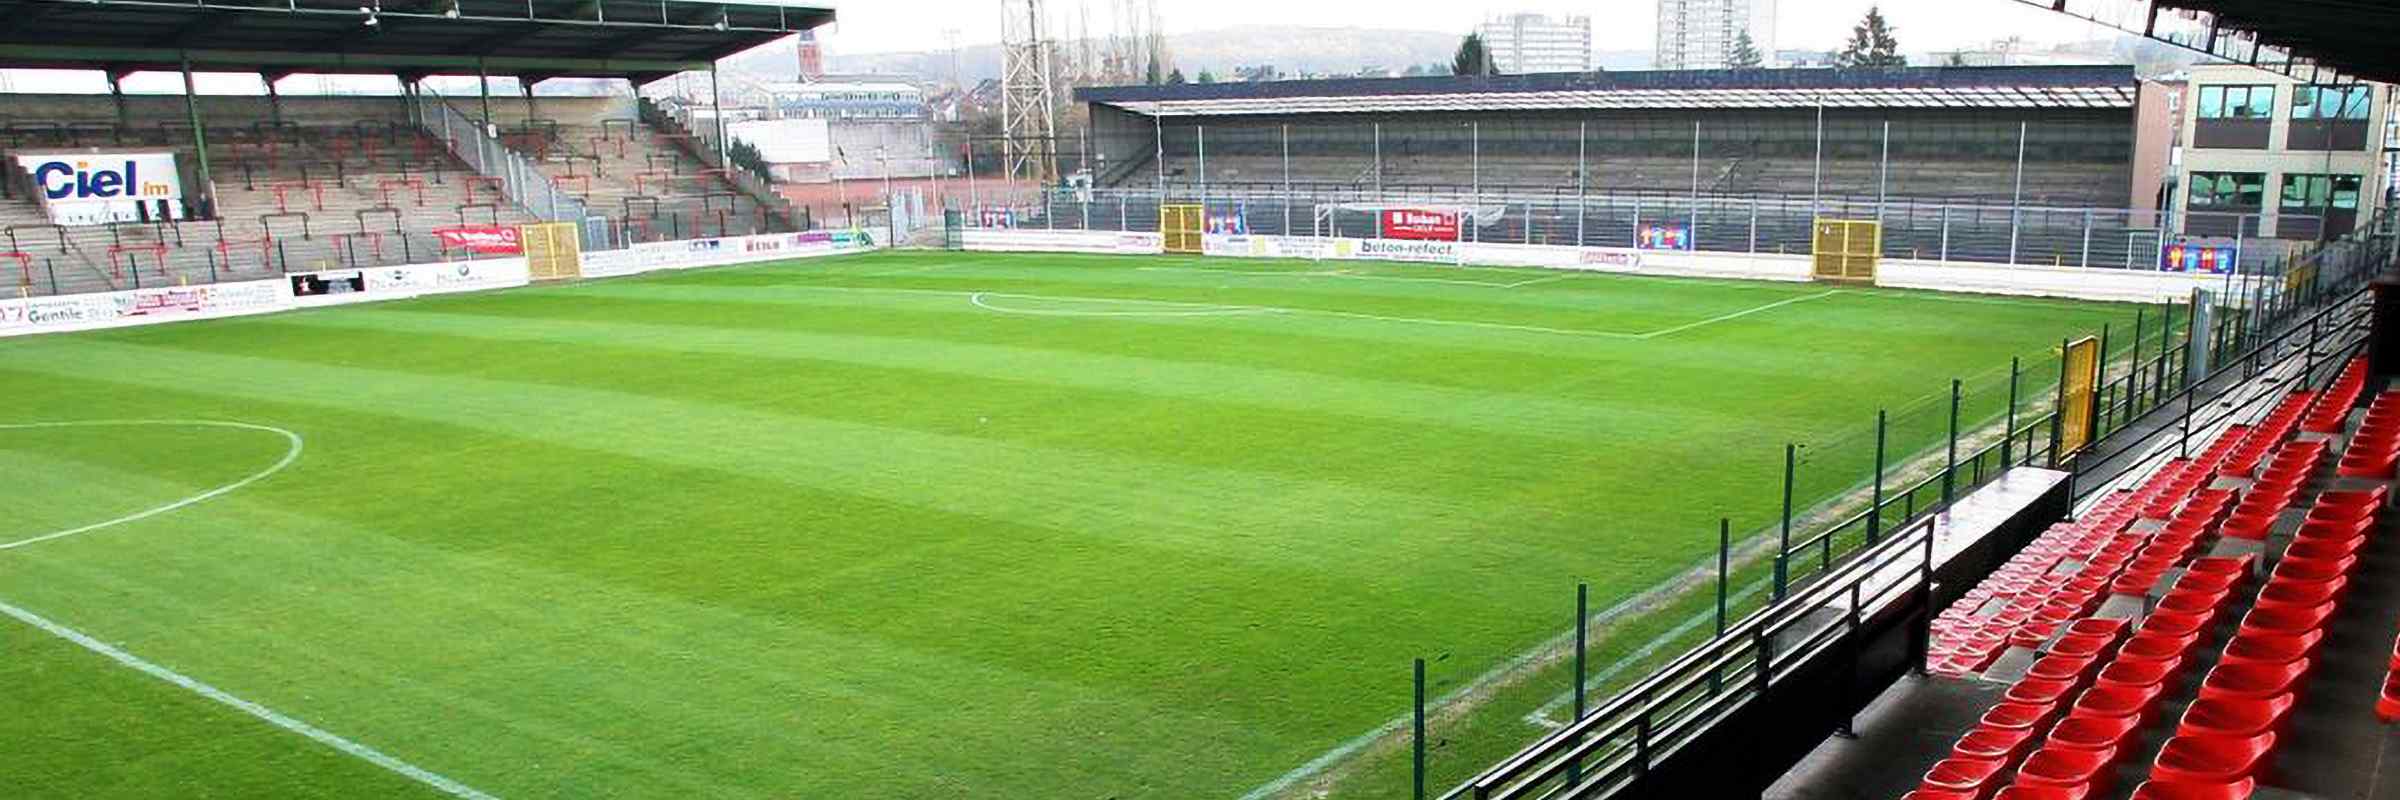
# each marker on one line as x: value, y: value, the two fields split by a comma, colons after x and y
x: 894, y: 526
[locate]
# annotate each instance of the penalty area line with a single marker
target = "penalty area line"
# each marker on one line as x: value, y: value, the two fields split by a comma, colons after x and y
x: 1738, y: 314
x: 271, y: 716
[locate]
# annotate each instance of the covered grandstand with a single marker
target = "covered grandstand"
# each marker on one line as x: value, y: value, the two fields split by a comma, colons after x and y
x: 2015, y: 164
x: 273, y: 183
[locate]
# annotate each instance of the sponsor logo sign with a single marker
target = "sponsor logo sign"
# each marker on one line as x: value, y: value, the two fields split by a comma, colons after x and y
x: 1418, y: 223
x: 99, y: 188
x: 1621, y: 259
x: 481, y: 238
x: 1664, y: 236
x: 1389, y: 250
x: 2209, y: 257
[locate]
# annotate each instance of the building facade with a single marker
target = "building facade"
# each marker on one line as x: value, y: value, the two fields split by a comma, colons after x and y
x: 1526, y: 43
x: 1700, y: 34
x: 2267, y: 155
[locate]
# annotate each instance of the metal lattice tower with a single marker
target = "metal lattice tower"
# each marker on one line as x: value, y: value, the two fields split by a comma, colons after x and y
x: 1028, y: 107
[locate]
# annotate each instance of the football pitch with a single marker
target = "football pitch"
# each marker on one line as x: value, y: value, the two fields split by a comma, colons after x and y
x: 900, y: 525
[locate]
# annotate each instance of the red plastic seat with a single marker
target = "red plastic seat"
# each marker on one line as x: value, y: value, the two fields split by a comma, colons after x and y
x: 2174, y: 623
x: 2235, y: 716
x: 2302, y: 593
x: 2324, y: 548
x: 2195, y: 790
x: 2118, y: 700
x: 2068, y: 768
x: 2194, y: 602
x: 2093, y: 647
x: 2280, y: 619
x: 2158, y: 644
x: 2076, y: 669
x: 2018, y: 716
x: 1993, y: 744
x: 2253, y: 679
x: 2141, y: 672
x: 2275, y: 648
x: 2041, y: 691
x: 2091, y: 733
x: 2212, y: 759
x: 2387, y: 706
x: 1973, y: 777
x: 2314, y: 569
x: 2035, y: 791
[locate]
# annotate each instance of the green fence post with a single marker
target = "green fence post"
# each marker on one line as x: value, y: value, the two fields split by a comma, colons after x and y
x: 1783, y: 550
x: 1419, y: 744
x: 1724, y: 560
x: 1582, y: 614
x: 1875, y: 507
x: 1950, y: 470
x: 2134, y: 386
x: 2008, y: 433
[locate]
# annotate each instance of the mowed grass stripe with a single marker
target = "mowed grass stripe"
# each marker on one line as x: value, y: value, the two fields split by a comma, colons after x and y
x: 259, y: 606
x: 1261, y: 389
x: 975, y: 475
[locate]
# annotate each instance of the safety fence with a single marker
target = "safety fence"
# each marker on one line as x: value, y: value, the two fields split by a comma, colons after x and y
x: 1986, y: 233
x: 1857, y: 510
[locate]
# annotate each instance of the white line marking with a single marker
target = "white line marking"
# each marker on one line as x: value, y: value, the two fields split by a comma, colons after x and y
x: 1739, y: 314
x: 322, y: 736
x: 290, y: 455
x: 1174, y: 310
x: 1335, y: 273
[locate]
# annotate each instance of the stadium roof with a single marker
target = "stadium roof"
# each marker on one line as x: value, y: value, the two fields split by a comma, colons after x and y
x: 2321, y: 41
x: 1921, y: 87
x: 639, y: 39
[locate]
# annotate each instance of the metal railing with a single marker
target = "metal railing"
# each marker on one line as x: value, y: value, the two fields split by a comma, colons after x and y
x: 520, y: 180
x: 1911, y: 229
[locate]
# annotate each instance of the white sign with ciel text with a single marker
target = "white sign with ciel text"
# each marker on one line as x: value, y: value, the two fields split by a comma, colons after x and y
x: 100, y: 188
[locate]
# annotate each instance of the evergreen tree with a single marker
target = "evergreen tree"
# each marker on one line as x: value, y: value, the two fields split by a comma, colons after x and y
x: 1150, y: 73
x: 1745, y: 52
x: 1176, y: 78
x: 1871, y: 45
x: 1472, y: 58
x: 1207, y: 76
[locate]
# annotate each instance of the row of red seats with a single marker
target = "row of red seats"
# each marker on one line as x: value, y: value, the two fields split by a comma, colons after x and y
x: 2037, y: 599
x: 2332, y: 410
x: 2277, y: 425
x: 2061, y: 730
x: 1966, y: 642
x: 2277, y: 488
x: 2227, y: 739
x: 2375, y: 449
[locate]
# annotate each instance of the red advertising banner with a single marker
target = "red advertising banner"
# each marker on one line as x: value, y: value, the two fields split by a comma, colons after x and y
x: 1418, y: 223
x: 480, y: 238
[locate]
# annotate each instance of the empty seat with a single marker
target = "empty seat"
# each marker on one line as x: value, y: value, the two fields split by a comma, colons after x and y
x: 2212, y: 759
x: 2235, y: 716
x: 2195, y: 790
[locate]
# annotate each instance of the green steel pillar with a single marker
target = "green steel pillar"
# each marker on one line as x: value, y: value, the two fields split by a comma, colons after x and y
x: 191, y: 109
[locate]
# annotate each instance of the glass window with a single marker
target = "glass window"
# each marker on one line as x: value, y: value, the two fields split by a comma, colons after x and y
x: 2326, y: 102
x: 2228, y: 190
x: 2302, y: 192
x: 2237, y: 102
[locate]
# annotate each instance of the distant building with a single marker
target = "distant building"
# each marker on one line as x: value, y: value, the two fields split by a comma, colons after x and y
x: 1527, y: 43
x: 2266, y: 155
x: 1700, y: 34
x: 847, y: 99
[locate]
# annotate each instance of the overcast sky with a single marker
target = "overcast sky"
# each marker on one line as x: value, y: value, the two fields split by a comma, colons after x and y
x: 874, y: 26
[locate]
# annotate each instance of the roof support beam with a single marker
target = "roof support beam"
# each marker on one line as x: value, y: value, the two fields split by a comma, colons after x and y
x: 370, y: 63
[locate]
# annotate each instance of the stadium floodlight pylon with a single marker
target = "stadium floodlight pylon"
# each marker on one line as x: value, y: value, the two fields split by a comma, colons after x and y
x: 1028, y: 107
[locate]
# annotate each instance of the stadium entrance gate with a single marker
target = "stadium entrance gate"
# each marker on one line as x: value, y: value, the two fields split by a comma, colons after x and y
x: 1181, y: 225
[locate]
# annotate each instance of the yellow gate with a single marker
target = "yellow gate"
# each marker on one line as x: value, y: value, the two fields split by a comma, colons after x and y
x: 1847, y: 249
x: 1181, y: 225
x: 553, y: 250
x: 2079, y: 375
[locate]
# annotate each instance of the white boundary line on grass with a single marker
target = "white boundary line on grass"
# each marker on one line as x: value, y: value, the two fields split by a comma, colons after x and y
x: 290, y: 455
x: 1337, y: 273
x: 271, y: 716
x: 1740, y: 314
x: 1172, y: 309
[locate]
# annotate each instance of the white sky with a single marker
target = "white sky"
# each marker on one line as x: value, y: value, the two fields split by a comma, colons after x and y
x: 873, y: 26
